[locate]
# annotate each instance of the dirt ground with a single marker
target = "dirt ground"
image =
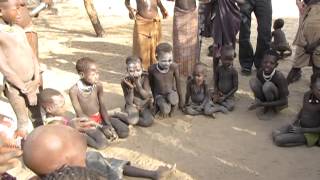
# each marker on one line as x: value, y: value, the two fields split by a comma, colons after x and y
x: 232, y: 146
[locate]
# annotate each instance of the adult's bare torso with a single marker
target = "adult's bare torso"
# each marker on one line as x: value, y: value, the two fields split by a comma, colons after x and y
x: 17, y: 51
x: 147, y: 8
x: 89, y: 102
x: 186, y: 4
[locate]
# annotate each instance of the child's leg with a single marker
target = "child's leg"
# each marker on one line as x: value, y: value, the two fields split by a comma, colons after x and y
x: 173, y: 98
x: 229, y: 104
x: 289, y: 140
x: 19, y: 106
x: 146, y: 118
x: 121, y: 128
x: 256, y: 87
x: 96, y: 139
x: 161, y: 173
x: 133, y: 115
x: 163, y: 105
x: 270, y: 91
x: 191, y: 110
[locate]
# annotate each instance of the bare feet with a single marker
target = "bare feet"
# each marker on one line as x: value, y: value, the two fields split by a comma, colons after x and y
x: 164, y: 172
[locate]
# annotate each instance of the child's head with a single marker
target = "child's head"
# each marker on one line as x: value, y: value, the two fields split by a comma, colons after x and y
x: 278, y: 23
x: 164, y: 55
x: 10, y: 10
x: 73, y: 173
x: 88, y: 71
x: 199, y: 73
x: 270, y: 61
x: 227, y: 56
x: 52, y: 101
x: 49, y: 148
x: 315, y: 85
x: 134, y: 66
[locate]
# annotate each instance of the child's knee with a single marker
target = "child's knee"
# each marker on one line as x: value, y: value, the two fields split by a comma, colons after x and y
x: 146, y: 122
x: 165, y: 108
x: 255, y: 84
x: 173, y: 98
x: 279, y: 141
x: 133, y: 115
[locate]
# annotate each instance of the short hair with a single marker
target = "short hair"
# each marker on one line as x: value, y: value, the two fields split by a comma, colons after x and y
x: 133, y: 59
x: 82, y: 64
x: 202, y: 66
x: 227, y: 52
x: 278, y: 23
x: 46, y: 95
x: 74, y: 173
x: 314, y: 78
x: 163, y: 47
x: 271, y: 52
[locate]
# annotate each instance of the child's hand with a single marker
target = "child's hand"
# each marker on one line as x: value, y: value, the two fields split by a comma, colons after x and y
x: 132, y: 13
x: 82, y: 124
x: 32, y: 86
x: 32, y: 98
x: 8, y: 155
x: 127, y: 82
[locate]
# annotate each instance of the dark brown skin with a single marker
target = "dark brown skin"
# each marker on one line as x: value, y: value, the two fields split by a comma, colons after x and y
x: 185, y: 4
x: 146, y: 8
x: 163, y: 84
x: 87, y: 105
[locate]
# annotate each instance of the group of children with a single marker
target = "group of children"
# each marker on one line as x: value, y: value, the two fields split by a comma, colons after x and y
x: 147, y: 93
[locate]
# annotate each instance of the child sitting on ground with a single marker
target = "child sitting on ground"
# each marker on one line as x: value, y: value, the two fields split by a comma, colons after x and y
x: 137, y: 94
x: 226, y: 81
x: 19, y: 66
x: 305, y: 130
x: 279, y: 42
x: 270, y: 87
x: 165, y: 81
x: 87, y: 99
x: 198, y: 93
x: 55, y: 141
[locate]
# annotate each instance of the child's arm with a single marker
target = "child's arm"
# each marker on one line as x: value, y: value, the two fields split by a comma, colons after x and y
x: 216, y: 81
x: 127, y: 92
x: 75, y: 102
x: 143, y: 89
x: 151, y: 83
x: 9, y: 74
x: 178, y: 84
x: 235, y: 83
x: 188, y: 92
x: 163, y: 10
x: 103, y: 109
x: 132, y: 11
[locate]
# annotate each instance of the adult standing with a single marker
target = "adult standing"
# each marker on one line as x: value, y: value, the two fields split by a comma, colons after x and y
x: 307, y: 40
x: 263, y: 12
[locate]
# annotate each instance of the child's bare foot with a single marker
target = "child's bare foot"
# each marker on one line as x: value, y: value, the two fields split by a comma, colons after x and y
x: 164, y: 172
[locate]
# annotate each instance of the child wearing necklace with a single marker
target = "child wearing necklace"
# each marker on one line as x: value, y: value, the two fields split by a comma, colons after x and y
x: 87, y: 99
x: 165, y: 82
x: 270, y: 87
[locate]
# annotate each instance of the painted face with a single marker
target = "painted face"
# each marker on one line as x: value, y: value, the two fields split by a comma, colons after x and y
x: 131, y: 69
x: 11, y: 13
x: 198, y: 76
x: 165, y: 60
x: 269, y: 63
x: 138, y: 71
x: 316, y: 88
x: 91, y: 75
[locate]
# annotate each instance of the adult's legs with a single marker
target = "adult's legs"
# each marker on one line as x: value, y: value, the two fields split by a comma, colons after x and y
x: 263, y: 12
x: 256, y: 87
x: 96, y: 139
x: 146, y: 118
x: 245, y: 46
x: 120, y: 127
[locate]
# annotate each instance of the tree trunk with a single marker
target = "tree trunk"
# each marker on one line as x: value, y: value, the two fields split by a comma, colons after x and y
x: 92, y: 13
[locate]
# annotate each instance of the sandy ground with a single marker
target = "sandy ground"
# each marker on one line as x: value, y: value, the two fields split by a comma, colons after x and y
x: 233, y: 146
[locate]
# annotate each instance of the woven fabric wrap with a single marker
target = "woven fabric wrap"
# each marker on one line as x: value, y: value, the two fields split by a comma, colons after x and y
x: 146, y: 36
x: 185, y: 39
x: 308, y: 32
